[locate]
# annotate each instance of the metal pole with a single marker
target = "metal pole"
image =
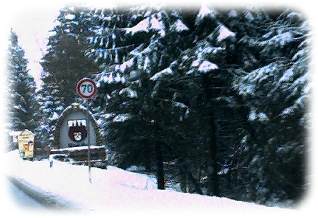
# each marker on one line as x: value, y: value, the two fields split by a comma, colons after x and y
x: 89, y: 164
x: 89, y: 150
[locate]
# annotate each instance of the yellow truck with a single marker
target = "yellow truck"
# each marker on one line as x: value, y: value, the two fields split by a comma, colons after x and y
x: 26, y: 144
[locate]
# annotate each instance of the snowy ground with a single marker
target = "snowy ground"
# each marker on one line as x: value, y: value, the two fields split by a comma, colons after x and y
x: 111, y: 188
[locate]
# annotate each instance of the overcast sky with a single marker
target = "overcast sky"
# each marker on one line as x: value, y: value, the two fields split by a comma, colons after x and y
x: 32, y: 23
x: 32, y: 28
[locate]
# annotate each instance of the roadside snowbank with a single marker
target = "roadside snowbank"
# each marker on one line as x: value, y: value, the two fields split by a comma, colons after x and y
x: 111, y: 188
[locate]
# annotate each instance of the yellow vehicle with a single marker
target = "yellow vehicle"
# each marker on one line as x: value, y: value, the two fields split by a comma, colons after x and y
x: 26, y: 144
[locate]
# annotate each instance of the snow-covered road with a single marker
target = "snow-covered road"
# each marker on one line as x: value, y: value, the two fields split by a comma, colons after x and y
x: 29, y: 195
x: 21, y: 198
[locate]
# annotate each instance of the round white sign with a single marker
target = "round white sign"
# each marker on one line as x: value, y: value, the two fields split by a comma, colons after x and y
x: 86, y: 88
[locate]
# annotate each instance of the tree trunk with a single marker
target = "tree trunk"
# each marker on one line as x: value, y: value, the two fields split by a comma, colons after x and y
x: 147, y: 160
x: 213, y: 180
x: 158, y: 156
x: 159, y: 163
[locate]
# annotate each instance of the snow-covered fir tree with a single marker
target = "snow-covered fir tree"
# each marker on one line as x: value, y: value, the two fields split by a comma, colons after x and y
x: 51, y: 106
x: 276, y: 91
x: 63, y: 65
x: 133, y: 48
x: 22, y: 104
x: 212, y: 88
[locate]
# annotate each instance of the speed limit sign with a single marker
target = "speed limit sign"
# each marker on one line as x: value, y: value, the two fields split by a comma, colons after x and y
x: 86, y: 88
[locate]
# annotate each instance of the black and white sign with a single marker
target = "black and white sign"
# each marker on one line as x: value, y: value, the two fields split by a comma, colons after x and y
x: 77, y: 130
x: 86, y: 88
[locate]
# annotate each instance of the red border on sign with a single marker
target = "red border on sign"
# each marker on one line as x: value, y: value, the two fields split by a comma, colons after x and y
x: 79, y: 84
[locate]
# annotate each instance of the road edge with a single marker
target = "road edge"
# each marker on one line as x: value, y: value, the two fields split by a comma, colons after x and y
x: 47, y: 200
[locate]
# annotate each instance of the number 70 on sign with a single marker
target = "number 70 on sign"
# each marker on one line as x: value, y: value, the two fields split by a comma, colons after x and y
x: 86, y: 88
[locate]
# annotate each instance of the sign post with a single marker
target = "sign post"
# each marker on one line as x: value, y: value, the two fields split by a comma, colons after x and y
x: 86, y: 89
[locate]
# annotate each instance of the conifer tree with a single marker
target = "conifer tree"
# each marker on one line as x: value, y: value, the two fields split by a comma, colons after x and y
x: 206, y: 96
x: 133, y: 46
x: 63, y: 65
x: 276, y: 92
x: 22, y: 104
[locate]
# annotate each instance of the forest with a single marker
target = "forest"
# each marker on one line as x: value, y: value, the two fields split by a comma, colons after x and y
x: 208, y: 101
